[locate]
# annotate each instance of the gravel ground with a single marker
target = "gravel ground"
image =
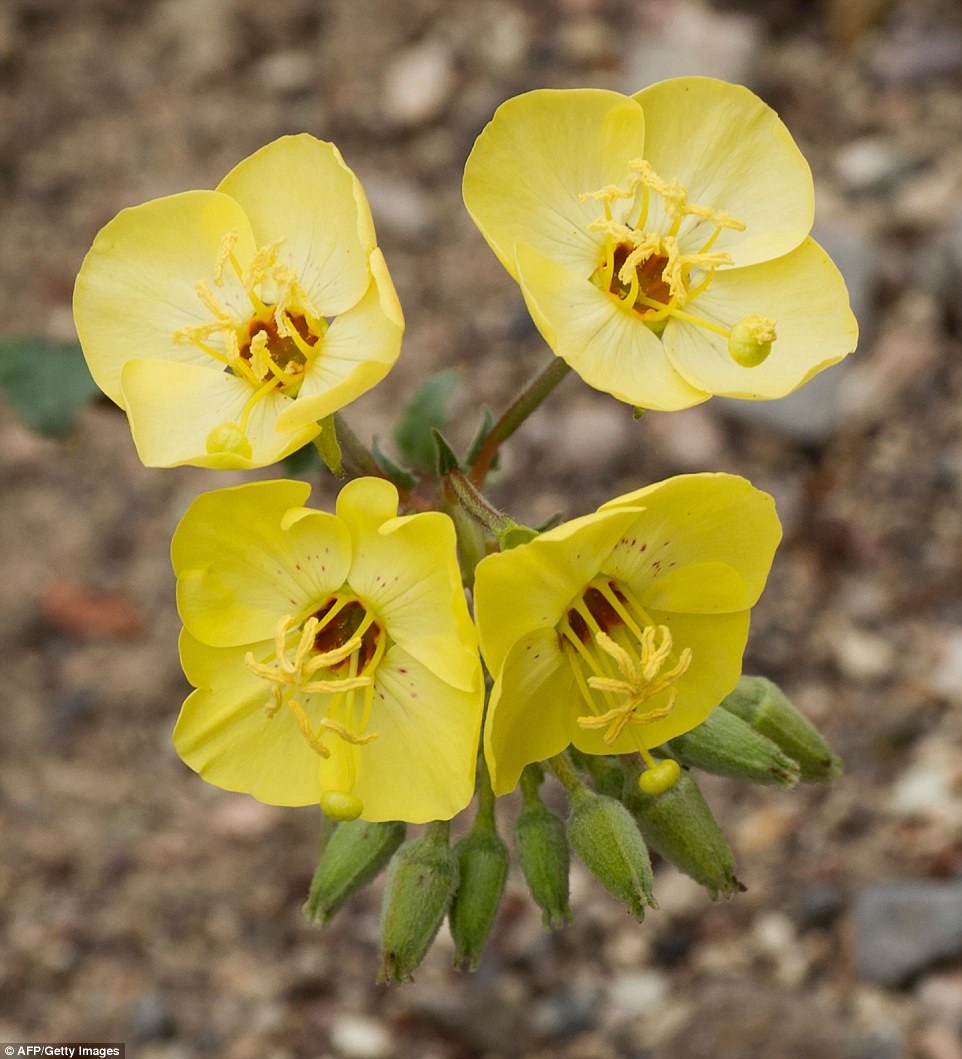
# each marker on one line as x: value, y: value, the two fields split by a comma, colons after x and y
x: 138, y: 904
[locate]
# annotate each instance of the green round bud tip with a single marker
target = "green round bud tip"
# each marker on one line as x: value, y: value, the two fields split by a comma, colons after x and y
x: 660, y: 778
x: 751, y: 340
x: 229, y: 437
x: 340, y: 806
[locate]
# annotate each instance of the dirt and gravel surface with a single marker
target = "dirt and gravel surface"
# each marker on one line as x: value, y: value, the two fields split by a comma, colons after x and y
x: 138, y: 904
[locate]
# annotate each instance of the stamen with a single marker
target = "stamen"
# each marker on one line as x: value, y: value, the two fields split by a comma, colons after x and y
x: 226, y: 249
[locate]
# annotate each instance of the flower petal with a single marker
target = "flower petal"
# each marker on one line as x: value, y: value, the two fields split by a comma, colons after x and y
x: 606, y: 344
x: 224, y: 733
x: 717, y: 642
x: 732, y: 153
x: 538, y: 154
x: 356, y: 353
x: 421, y: 765
x: 239, y: 573
x: 136, y: 286
x: 406, y: 569
x: 703, y: 544
x: 298, y: 189
x: 533, y: 708
x: 173, y: 408
x: 803, y: 292
x: 552, y: 571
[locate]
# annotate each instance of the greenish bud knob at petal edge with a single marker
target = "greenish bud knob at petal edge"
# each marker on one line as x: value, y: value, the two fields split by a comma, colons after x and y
x: 355, y: 854
x: 483, y: 864
x: 767, y: 709
x: 679, y: 825
x: 727, y: 745
x: 604, y: 835
x: 542, y: 845
x: 421, y: 882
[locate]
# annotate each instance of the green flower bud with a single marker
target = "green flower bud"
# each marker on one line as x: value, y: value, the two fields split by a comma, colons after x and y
x: 765, y: 707
x: 728, y: 746
x: 542, y: 845
x: 355, y: 854
x: 421, y: 881
x: 606, y: 774
x: 483, y: 866
x: 679, y: 825
x: 603, y: 834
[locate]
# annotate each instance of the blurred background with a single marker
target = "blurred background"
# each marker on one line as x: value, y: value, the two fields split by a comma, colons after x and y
x: 138, y: 904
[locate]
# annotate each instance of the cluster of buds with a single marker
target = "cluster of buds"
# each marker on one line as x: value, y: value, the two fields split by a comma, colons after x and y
x: 756, y: 735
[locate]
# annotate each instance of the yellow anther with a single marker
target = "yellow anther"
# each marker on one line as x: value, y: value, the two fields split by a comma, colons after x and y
x: 642, y: 678
x: 290, y: 676
x: 210, y: 302
x: 260, y: 265
x: 226, y: 249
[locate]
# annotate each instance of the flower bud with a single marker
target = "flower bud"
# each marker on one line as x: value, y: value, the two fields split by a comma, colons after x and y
x: 679, y: 825
x: 354, y: 855
x: 603, y: 834
x: 765, y: 707
x: 421, y: 880
x: 542, y: 845
x: 483, y: 870
x: 728, y: 746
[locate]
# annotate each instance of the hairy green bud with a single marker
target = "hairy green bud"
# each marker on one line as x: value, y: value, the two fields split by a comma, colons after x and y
x: 542, y: 845
x: 728, y: 746
x: 483, y: 865
x: 354, y: 855
x: 603, y: 834
x: 766, y: 708
x: 679, y: 825
x: 421, y: 881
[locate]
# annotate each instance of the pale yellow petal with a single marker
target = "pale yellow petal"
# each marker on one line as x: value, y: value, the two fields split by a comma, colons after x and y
x: 136, y: 286
x: 732, y: 153
x: 421, y: 765
x: 552, y: 571
x: 173, y: 408
x: 298, y: 189
x: 539, y: 153
x: 224, y: 733
x: 606, y: 344
x: 239, y: 572
x: 533, y: 710
x: 359, y: 349
x: 702, y: 544
x: 803, y: 292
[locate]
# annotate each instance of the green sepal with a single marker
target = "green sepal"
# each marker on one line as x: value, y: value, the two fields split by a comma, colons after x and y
x: 637, y: 413
x: 483, y: 864
x: 679, y: 825
x: 550, y: 523
x: 421, y: 882
x: 426, y: 411
x: 46, y: 381
x: 355, y: 854
x: 513, y: 535
x: 606, y: 774
x: 445, y: 459
x: 328, y: 448
x: 728, y: 746
x: 542, y: 844
x: 399, y: 475
x: 766, y: 708
x: 604, y: 835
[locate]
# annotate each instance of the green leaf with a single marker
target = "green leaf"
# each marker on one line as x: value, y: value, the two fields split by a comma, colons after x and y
x: 445, y: 460
x: 399, y: 475
x: 46, y: 381
x: 329, y: 448
x: 426, y: 411
x: 304, y: 462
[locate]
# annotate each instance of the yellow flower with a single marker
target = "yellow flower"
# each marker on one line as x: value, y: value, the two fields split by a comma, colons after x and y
x: 661, y: 240
x: 333, y: 655
x: 622, y: 629
x: 227, y: 323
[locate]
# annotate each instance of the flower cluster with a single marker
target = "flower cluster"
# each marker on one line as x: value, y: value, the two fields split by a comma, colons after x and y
x: 661, y: 244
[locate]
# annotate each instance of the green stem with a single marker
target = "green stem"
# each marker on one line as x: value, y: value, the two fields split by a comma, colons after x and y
x: 515, y: 414
x: 439, y: 831
x: 566, y: 773
x: 486, y: 799
x: 355, y: 451
x: 476, y: 504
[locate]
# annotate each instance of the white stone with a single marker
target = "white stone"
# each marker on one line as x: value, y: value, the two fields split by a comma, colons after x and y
x: 417, y: 84
x: 360, y: 1037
